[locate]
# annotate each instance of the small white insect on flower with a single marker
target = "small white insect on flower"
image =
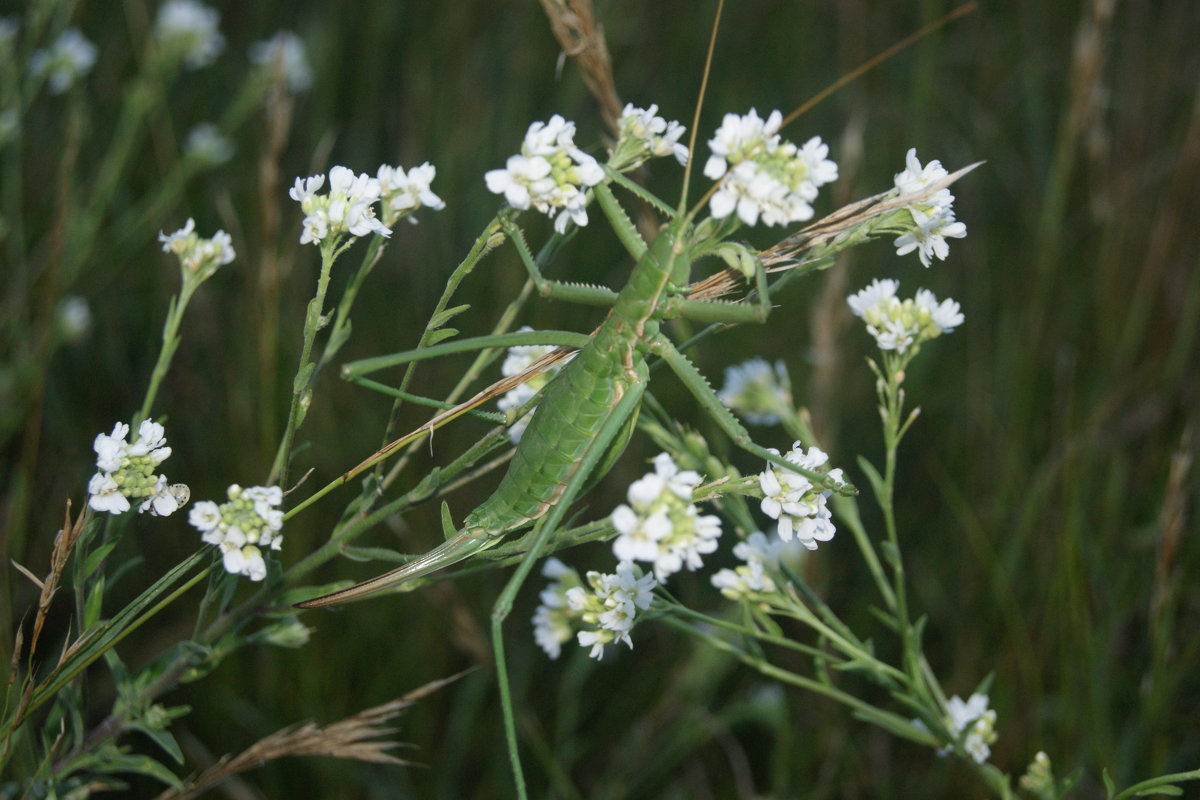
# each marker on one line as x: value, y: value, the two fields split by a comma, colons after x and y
x: 643, y: 135
x: 347, y: 208
x: 520, y: 358
x: 661, y: 525
x: 550, y: 174
x: 284, y: 55
x: 126, y: 471
x: 751, y: 578
x: 795, y: 502
x: 899, y: 324
x: 762, y: 175
x: 402, y: 193
x: 68, y: 59
x: 974, y: 719
x: 932, y: 217
x: 757, y: 391
x: 199, y: 258
x: 188, y: 30
x: 248, y: 523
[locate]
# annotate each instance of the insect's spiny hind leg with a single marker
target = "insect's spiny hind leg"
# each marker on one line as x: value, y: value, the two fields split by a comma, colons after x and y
x: 570, y: 292
x: 543, y: 531
x: 700, y: 389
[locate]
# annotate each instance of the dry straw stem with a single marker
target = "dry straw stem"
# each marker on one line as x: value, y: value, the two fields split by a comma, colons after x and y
x: 574, y: 25
x: 352, y: 738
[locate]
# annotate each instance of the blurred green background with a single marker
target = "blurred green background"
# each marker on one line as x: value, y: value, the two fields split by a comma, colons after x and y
x: 1047, y: 493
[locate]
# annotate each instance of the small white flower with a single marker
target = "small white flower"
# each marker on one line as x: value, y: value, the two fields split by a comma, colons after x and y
x: 763, y: 176
x: 899, y: 324
x: 550, y: 174
x: 347, y: 208
x: 189, y: 29
x: 760, y: 554
x: 403, y: 192
x: 74, y: 317
x: 973, y: 718
x: 757, y: 391
x: 600, y: 612
x: 66, y: 61
x: 661, y: 525
x: 795, y: 502
x: 928, y: 236
x: 642, y: 135
x: 127, y: 472
x: 241, y: 527
x: 284, y: 55
x: 198, y: 257
x: 915, y: 178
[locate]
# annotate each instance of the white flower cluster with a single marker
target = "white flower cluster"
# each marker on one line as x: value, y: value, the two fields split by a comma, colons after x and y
x: 347, y: 208
x: 661, y: 525
x: 66, y: 61
x: 599, y: 613
x: 763, y: 175
x: 188, y: 29
x: 242, y: 527
x: 933, y: 217
x: 198, y: 256
x: 759, y: 553
x: 519, y: 359
x: 644, y: 135
x: 899, y: 324
x: 757, y: 391
x: 550, y: 173
x: 284, y: 55
x: 126, y: 471
x: 792, y: 499
x: 402, y: 193
x: 976, y: 720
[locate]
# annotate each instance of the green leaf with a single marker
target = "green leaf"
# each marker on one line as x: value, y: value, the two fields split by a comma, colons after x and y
x: 96, y: 558
x: 1173, y: 791
x: 301, y: 381
x: 94, y: 604
x: 448, y: 528
x: 872, y: 475
x: 440, y: 335
x: 1110, y: 785
x: 446, y: 314
x: 161, y: 737
x: 139, y: 765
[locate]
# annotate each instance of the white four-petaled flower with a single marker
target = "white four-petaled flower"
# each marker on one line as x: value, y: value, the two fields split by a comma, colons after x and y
x: 796, y: 502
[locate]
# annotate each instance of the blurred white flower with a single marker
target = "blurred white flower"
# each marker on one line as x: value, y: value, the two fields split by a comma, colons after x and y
x: 760, y: 554
x: 550, y: 174
x: 973, y: 718
x: 68, y: 59
x: 206, y: 143
x: 188, y: 29
x: 932, y: 217
x: 74, y: 317
x: 284, y: 55
x: 757, y: 391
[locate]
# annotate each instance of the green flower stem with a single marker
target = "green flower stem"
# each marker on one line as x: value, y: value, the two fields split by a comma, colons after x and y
x: 1153, y: 783
x: 801, y: 613
x: 846, y: 508
x: 885, y: 719
x: 170, y: 342
x: 302, y: 383
x: 340, y: 331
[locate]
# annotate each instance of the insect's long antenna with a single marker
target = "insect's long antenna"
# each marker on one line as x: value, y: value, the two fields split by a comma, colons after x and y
x: 876, y: 60
x: 708, y: 59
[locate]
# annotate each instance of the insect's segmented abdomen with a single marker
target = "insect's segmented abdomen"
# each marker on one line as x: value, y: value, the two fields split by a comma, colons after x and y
x: 565, y: 423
